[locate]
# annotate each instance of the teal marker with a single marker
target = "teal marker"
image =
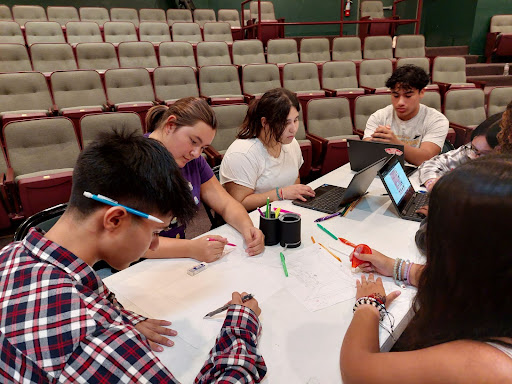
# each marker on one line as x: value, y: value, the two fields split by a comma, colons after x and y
x: 283, y: 263
x: 326, y: 231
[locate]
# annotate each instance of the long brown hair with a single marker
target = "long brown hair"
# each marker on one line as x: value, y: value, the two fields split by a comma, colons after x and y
x: 274, y: 106
x: 464, y: 290
x: 505, y: 135
x: 188, y: 111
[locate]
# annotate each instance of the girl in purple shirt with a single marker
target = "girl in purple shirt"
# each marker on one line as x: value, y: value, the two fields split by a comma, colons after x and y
x: 186, y: 128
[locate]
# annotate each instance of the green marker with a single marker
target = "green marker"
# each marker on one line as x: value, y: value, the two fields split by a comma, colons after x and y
x: 283, y: 263
x: 326, y: 231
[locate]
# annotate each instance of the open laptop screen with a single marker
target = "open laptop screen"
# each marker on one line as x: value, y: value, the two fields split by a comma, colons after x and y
x: 397, y: 183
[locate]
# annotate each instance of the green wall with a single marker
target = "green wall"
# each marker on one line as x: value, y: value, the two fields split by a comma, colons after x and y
x: 485, y: 9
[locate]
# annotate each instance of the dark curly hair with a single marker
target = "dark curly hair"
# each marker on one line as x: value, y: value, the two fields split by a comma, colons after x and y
x: 407, y: 77
x: 505, y: 135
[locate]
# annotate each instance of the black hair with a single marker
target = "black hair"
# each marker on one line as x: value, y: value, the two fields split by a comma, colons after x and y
x: 274, y: 106
x: 463, y: 292
x: 489, y: 128
x: 135, y: 171
x: 407, y: 77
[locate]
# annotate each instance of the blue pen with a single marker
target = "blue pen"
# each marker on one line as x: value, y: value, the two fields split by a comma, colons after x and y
x: 108, y: 201
x: 327, y: 217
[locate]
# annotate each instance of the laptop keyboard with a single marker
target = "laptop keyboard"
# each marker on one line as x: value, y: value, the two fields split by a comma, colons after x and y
x: 329, y: 200
x: 419, y: 200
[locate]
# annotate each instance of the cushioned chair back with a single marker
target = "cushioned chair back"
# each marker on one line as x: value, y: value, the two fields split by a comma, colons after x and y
x: 421, y: 62
x: 373, y: 9
x: 329, y: 117
x: 176, y: 53
x: 465, y: 106
x: 137, y: 54
x: 83, y: 32
x: 96, y: 56
x: 97, y: 14
x: 449, y: 69
x: 282, y: 51
x: 230, y: 16
x: 52, y: 57
x: 24, y: 91
x: 217, y: 31
x: 154, y: 31
x: 229, y: 120
x: 300, y: 136
x: 128, y: 85
x: 301, y: 77
x: 501, y: 23
x: 125, y: 14
x: 180, y: 15
x: 43, y: 220
x: 5, y: 13
x: 41, y: 145
x: 365, y: 106
x: 190, y: 32
x: 77, y: 88
x: 315, y: 49
x: 173, y: 83
x: 346, y: 48
x: 499, y: 99
x: 43, y: 32
x: 92, y: 125
x: 339, y: 75
x: 24, y: 13
x: 218, y: 80
x: 248, y: 52
x: 213, y: 53
x: 10, y: 32
x: 152, y: 14
x: 432, y: 99
x: 375, y: 73
x: 119, y: 31
x: 378, y: 47
x: 14, y: 57
x: 202, y: 16
x: 259, y: 78
x: 410, y: 46
x: 62, y: 14
x: 267, y: 10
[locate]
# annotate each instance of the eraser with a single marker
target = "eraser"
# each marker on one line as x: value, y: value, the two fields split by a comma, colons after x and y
x: 197, y: 268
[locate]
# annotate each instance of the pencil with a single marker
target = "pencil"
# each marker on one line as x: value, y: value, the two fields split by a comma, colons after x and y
x: 333, y: 255
x: 313, y: 239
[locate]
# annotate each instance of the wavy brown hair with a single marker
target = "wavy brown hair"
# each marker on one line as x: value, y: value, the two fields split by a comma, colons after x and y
x: 505, y: 135
x: 464, y: 290
x: 188, y: 111
x: 274, y: 106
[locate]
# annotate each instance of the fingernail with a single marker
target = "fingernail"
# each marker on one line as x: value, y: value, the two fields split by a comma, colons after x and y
x: 174, y: 333
x: 170, y: 343
x: 159, y: 348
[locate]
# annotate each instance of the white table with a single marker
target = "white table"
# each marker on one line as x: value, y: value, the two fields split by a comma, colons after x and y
x: 299, y: 346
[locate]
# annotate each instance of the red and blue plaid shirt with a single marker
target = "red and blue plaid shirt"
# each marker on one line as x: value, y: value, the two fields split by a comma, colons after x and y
x: 58, y: 323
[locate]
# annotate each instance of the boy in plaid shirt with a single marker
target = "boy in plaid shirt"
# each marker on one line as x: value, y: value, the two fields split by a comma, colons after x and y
x: 60, y: 323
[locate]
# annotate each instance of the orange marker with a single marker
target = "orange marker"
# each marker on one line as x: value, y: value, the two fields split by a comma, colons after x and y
x: 345, y: 241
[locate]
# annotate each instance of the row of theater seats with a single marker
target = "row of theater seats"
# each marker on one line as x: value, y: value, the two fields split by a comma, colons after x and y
x: 39, y: 154
x: 100, y: 15
x: 112, y: 31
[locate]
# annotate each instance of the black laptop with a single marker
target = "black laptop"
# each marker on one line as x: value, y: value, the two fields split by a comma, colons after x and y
x: 363, y: 153
x: 400, y: 190
x: 330, y: 198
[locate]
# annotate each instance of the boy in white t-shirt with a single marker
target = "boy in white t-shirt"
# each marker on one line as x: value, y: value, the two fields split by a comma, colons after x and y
x: 420, y: 129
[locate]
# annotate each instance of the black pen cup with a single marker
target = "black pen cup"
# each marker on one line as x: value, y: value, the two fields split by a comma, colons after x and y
x: 289, y: 224
x: 270, y: 228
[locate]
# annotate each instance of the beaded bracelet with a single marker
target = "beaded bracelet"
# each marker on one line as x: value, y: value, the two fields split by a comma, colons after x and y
x: 395, y: 271
x: 277, y: 194
x: 408, y: 274
x: 371, y: 301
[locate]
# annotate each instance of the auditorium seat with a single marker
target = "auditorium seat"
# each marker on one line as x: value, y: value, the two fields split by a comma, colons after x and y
x: 220, y: 84
x: 259, y: 78
x: 365, y: 106
x: 152, y: 15
x: 329, y: 127
x: 83, y: 32
x: 62, y: 14
x: 174, y: 83
x: 189, y: 32
x: 282, y: 51
x: 306, y: 148
x: 49, y: 57
x: 347, y: 48
x: 213, y: 53
x: 499, y: 38
x: 5, y: 13
x: 499, y: 97
x: 43, y: 32
x: 229, y: 119
x: 137, y: 54
x: 410, y: 46
x: 202, y: 16
x: 315, y: 50
x: 378, y: 47
x: 373, y: 75
x: 179, y: 15
x: 91, y: 125
x: 449, y: 72
x: 116, y: 32
x: 97, y: 14
x: 232, y: 17
x: 154, y: 31
x: 248, y: 52
x: 125, y: 14
x: 10, y: 32
x: 176, y: 53
x: 14, y: 58
x: 24, y: 13
x: 98, y: 56
x: 217, y: 31
x: 42, y: 154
